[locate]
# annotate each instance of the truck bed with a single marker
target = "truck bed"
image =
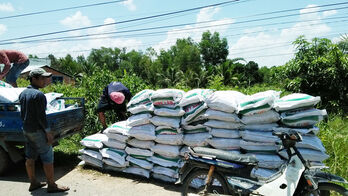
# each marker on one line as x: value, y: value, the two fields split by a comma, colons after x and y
x: 62, y: 123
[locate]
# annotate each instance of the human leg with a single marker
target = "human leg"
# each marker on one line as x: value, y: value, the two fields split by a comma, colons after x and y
x: 30, y: 168
x: 15, y: 71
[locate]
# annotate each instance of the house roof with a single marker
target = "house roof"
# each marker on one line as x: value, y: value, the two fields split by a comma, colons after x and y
x: 29, y: 68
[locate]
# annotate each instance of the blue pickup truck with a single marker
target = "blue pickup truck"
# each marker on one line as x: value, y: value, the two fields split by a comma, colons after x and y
x: 63, y: 123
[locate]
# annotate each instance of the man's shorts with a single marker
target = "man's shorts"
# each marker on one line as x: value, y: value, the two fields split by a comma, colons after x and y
x: 36, y: 145
x: 15, y: 71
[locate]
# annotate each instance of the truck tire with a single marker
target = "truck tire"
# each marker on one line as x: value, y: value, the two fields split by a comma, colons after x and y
x: 4, y: 161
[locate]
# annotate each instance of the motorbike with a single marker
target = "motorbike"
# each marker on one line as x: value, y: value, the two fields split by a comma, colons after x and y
x: 210, y: 171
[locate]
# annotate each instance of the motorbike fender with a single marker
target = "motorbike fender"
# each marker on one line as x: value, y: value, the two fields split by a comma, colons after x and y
x: 188, y: 168
x: 323, y: 176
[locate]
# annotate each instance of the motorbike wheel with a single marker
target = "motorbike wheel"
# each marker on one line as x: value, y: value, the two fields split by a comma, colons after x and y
x: 328, y: 189
x: 194, y: 184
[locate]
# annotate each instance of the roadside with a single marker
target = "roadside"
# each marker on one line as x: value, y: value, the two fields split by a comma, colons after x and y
x: 86, y: 181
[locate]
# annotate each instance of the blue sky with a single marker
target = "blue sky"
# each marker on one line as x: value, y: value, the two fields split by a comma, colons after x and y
x: 256, y: 30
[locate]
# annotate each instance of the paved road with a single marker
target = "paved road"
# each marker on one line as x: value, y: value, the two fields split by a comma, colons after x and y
x: 84, y: 181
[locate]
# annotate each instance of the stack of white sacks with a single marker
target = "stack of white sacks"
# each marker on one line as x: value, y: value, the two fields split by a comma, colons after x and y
x: 165, y: 122
x: 9, y: 94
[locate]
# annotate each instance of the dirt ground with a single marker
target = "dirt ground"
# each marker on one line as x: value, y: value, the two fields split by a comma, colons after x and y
x: 85, y: 181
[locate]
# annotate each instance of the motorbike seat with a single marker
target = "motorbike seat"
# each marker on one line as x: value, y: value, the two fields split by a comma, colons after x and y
x: 227, y: 156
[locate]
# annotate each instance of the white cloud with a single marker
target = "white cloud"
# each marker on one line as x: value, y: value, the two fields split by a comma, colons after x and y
x: 262, y: 47
x: 195, y: 31
x: 130, y: 5
x: 6, y: 7
x: 76, y: 20
x: 329, y: 13
x: 61, y: 49
x: 207, y: 14
x: 3, y: 29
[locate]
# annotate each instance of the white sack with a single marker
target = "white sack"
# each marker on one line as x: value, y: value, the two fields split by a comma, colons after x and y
x: 226, y: 101
x: 269, y: 161
x: 116, y: 164
x: 141, y: 143
x: 137, y: 171
x: 139, y: 152
x: 120, y: 127
x: 304, y: 118
x: 166, y: 121
x: 140, y: 162
x: 114, y: 154
x: 173, y: 112
x: 225, y: 133
x: 192, y: 111
x: 91, y: 153
x: 250, y: 146
x: 94, y: 141
x: 199, y: 128
x: 116, y: 136
x: 141, y: 102
x: 220, y: 115
x: 308, y: 154
x: 10, y: 95
x: 258, y: 102
x: 261, y: 127
x: 196, y: 139
x: 165, y: 97
x: 166, y: 130
x: 267, y: 117
x: 163, y: 178
x: 143, y: 132
x: 165, y: 161
x: 223, y: 124
x: 295, y: 101
x: 176, y: 139
x: 259, y: 136
x: 91, y: 161
x: 171, y: 172
x: 224, y: 143
x: 166, y: 150
x: 139, y: 119
x: 112, y: 143
x: 195, y: 96
x: 5, y: 85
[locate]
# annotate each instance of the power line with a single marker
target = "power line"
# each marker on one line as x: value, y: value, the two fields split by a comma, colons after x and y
x: 61, y: 9
x: 70, y: 38
x: 125, y: 21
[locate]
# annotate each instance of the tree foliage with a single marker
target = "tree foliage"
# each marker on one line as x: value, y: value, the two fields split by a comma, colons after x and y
x: 319, y: 68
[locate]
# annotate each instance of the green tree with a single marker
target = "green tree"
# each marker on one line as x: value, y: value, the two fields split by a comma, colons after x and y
x: 319, y: 68
x: 214, y: 50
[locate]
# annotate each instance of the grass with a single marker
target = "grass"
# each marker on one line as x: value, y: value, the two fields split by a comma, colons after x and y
x: 334, y: 135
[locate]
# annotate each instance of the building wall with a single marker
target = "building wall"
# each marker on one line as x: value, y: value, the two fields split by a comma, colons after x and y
x: 66, y: 79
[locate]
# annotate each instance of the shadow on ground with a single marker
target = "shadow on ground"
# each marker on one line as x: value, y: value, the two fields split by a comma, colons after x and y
x: 63, y: 164
x: 135, y: 178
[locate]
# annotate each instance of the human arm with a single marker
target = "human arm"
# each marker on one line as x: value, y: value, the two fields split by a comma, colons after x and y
x: 102, y: 119
x: 42, y: 119
x: 4, y: 59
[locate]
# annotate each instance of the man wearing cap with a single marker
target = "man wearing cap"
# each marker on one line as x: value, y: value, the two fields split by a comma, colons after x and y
x: 114, y: 97
x: 20, y: 62
x: 39, y: 137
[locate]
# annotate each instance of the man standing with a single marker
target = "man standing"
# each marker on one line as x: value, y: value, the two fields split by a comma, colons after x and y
x: 20, y: 62
x: 113, y: 98
x: 39, y: 137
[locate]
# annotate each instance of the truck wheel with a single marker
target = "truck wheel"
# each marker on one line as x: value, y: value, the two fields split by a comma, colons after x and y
x: 4, y: 160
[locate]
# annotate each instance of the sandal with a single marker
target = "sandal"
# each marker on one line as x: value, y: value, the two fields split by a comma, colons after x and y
x: 57, y: 189
x: 36, y: 185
